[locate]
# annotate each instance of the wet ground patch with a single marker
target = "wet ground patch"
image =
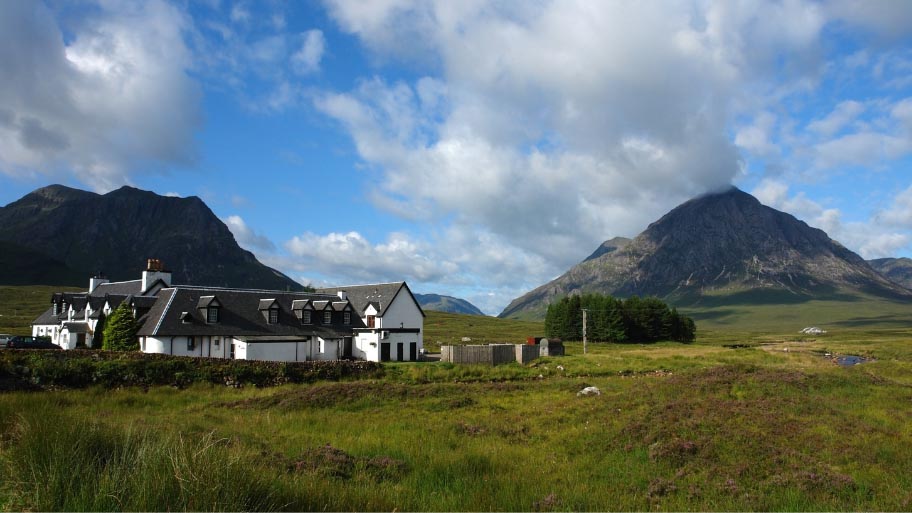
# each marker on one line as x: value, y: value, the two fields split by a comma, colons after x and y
x: 329, y: 461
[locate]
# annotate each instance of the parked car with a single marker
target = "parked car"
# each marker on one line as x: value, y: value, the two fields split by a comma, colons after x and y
x: 28, y: 342
x: 4, y: 338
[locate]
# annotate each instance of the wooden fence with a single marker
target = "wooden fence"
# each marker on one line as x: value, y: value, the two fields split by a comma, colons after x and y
x: 491, y: 354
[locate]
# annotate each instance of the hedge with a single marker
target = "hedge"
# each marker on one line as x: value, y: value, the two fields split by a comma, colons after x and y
x: 24, y: 369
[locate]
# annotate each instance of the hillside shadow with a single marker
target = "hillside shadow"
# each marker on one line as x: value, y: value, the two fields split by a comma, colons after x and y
x: 717, y: 316
x: 880, y: 321
x: 765, y: 297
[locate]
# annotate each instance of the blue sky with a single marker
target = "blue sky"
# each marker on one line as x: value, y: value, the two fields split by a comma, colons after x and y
x: 472, y: 148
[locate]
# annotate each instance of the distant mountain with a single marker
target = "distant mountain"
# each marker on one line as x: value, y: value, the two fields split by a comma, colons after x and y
x: 61, y: 233
x: 726, y: 243
x: 897, y: 270
x: 450, y: 304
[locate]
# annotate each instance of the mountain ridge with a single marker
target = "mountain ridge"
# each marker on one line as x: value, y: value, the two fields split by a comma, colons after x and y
x: 449, y: 304
x: 116, y: 232
x: 724, y: 242
x: 897, y: 270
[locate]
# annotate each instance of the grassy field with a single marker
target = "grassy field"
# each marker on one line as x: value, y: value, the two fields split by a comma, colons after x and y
x: 445, y: 328
x: 759, y: 316
x: 750, y: 417
x: 676, y: 427
x: 20, y: 305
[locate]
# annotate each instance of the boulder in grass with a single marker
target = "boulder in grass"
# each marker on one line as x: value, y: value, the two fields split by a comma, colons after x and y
x: 589, y: 391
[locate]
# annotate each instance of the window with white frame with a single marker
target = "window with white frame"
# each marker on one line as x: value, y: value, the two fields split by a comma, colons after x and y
x: 273, y: 316
x: 305, y: 317
x: 327, y: 316
x: 191, y: 343
x: 346, y: 317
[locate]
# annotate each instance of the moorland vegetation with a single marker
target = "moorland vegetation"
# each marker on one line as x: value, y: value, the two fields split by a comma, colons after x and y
x: 737, y: 420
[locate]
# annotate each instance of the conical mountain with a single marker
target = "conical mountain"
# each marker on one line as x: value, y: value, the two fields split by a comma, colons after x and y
x: 725, y: 243
x: 83, y: 233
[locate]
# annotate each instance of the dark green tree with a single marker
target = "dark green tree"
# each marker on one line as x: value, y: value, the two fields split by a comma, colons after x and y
x: 98, y: 339
x: 120, y: 330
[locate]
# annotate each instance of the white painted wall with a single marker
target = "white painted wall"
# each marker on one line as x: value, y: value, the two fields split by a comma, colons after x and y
x: 363, y: 348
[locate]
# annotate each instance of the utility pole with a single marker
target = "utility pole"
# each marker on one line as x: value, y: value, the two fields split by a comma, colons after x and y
x: 584, y: 330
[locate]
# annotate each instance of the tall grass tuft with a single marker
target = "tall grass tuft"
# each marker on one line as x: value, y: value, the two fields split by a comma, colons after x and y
x: 53, y: 463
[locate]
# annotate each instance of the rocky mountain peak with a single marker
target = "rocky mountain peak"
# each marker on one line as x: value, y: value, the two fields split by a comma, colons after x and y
x: 722, y: 242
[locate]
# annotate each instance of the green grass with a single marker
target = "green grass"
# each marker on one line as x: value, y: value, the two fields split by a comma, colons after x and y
x: 442, y: 328
x: 847, y: 312
x: 752, y: 416
x: 20, y: 305
x: 677, y: 427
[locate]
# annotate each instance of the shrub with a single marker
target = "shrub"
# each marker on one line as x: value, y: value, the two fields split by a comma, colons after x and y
x: 120, y: 329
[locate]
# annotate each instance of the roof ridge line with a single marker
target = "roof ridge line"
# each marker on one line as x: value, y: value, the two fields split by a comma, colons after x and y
x: 363, y: 285
x: 164, y: 312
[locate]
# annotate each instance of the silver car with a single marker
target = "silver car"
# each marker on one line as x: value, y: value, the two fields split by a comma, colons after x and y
x: 4, y: 338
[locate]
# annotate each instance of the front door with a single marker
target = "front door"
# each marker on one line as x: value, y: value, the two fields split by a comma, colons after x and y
x: 384, y: 351
x: 400, y: 354
x: 81, y: 340
x: 413, y: 351
x: 347, y: 347
x: 231, y: 355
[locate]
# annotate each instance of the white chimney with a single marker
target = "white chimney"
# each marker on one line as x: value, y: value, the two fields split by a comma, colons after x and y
x: 95, y: 281
x: 343, y: 295
x: 155, y: 270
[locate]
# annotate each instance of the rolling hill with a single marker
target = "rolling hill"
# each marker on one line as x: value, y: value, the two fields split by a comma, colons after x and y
x: 449, y: 304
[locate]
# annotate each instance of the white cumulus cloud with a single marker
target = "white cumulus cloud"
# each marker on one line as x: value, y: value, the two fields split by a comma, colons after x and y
x: 247, y: 238
x: 109, y: 99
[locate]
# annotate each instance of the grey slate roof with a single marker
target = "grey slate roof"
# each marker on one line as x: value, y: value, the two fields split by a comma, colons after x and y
x: 76, y: 327
x: 239, y: 315
x: 120, y: 288
x: 380, y: 294
x: 141, y: 302
x: 115, y: 300
x: 48, y: 317
x: 96, y: 302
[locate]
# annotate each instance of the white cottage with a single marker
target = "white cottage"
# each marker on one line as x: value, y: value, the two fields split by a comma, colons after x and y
x: 378, y: 322
x: 393, y: 321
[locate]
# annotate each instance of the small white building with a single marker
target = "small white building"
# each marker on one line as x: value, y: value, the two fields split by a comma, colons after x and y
x: 393, y: 321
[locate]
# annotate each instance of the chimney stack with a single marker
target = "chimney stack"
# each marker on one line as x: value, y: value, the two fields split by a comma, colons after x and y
x: 343, y: 295
x: 155, y: 270
x: 96, y: 280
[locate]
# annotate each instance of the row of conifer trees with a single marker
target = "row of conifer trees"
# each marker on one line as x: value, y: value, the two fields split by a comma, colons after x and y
x: 633, y: 320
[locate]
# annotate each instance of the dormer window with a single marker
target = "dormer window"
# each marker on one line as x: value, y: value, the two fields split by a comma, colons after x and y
x: 208, y: 308
x: 270, y: 310
x: 306, y: 317
x: 370, y: 321
x: 346, y: 318
x: 327, y: 316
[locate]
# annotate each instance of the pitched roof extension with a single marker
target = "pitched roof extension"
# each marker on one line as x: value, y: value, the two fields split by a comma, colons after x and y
x: 380, y: 294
